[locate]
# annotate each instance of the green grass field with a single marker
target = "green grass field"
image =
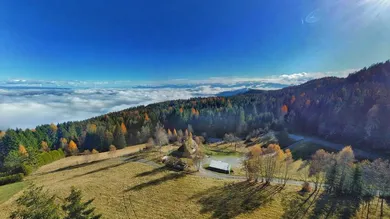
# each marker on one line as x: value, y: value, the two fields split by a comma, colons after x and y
x: 7, y: 191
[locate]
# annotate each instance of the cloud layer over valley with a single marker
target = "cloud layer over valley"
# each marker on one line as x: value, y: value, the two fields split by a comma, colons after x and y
x: 26, y: 103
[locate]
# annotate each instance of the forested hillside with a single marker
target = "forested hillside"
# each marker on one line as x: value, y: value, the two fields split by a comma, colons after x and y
x: 352, y: 110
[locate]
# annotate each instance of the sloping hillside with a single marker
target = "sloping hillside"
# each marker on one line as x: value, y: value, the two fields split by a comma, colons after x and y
x: 352, y: 110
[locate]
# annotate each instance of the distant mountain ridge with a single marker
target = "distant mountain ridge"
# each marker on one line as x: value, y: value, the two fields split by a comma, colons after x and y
x: 233, y: 92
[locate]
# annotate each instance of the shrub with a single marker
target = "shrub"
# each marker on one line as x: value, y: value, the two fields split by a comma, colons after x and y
x: 176, y: 163
x: 45, y: 158
x: 61, y: 153
x: 11, y: 179
x: 86, y: 152
x: 306, y: 187
x: 51, y: 156
x: 112, y: 148
x: 94, y: 151
x: 3, y: 174
x: 26, y: 169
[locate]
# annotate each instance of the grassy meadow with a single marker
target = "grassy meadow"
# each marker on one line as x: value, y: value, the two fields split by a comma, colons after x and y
x: 132, y: 186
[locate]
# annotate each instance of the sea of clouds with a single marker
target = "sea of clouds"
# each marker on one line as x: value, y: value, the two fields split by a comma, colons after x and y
x: 28, y: 103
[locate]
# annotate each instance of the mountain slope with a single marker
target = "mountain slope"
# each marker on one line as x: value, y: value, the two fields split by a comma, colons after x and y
x: 352, y: 110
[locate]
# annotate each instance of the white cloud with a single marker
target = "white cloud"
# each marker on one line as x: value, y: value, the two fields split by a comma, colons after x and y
x: 26, y: 108
x: 23, y: 104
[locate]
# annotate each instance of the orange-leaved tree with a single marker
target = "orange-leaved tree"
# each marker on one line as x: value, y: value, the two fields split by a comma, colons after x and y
x: 147, y: 117
x: 292, y: 99
x: 123, y: 128
x: 22, y: 151
x: 72, y: 148
x: 284, y: 109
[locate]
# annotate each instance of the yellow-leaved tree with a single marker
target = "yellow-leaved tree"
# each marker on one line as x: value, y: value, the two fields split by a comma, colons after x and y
x: 44, y: 146
x: 53, y: 127
x: 92, y: 128
x: 2, y: 134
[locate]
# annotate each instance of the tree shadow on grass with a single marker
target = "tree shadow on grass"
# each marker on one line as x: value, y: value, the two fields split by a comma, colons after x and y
x: 152, y: 172
x: 234, y: 199
x: 169, y: 177
x: 298, y: 204
x: 331, y: 206
x: 133, y: 157
x: 97, y: 170
x: 73, y: 167
x: 319, y: 205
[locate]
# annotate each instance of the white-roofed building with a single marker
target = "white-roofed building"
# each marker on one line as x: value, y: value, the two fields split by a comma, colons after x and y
x: 220, y: 166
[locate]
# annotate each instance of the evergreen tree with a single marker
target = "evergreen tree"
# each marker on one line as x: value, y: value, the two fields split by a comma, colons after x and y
x: 119, y: 138
x: 76, y: 209
x: 331, y: 176
x: 35, y: 204
x: 357, y: 181
x: 108, y: 140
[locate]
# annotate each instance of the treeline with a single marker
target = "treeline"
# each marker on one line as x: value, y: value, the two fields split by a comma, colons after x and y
x: 341, y: 175
x: 336, y: 176
x: 345, y: 110
x: 21, y: 163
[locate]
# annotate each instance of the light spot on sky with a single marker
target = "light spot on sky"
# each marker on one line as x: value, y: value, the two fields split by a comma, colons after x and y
x: 313, y: 17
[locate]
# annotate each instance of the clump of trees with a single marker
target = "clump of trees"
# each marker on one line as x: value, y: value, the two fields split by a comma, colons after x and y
x: 265, y: 164
x: 36, y: 203
x: 343, y: 176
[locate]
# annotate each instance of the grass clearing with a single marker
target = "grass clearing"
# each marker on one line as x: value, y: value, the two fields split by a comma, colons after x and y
x: 7, y: 191
x: 124, y: 188
x: 304, y: 150
x: 224, y: 149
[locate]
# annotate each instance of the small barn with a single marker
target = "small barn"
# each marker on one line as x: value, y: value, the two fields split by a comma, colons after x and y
x: 219, y: 166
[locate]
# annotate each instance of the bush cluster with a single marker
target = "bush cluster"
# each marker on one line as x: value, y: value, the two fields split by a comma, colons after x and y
x: 175, y: 163
x: 51, y: 156
x: 11, y: 179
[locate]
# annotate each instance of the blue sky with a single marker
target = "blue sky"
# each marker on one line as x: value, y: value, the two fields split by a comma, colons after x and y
x: 154, y: 40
